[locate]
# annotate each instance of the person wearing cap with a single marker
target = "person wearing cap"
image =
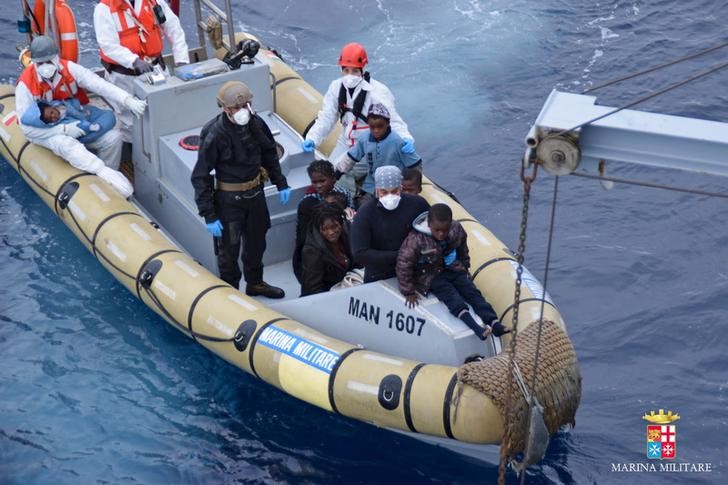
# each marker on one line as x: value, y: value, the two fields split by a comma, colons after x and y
x: 381, y: 147
x: 347, y: 100
x: 239, y: 147
x: 48, y: 78
x: 383, y: 223
x: 129, y: 34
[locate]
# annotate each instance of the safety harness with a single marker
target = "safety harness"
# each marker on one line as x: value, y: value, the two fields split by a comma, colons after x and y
x: 357, y: 104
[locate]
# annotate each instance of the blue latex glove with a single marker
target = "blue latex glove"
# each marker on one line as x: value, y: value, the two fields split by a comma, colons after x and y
x: 215, y: 228
x: 285, y: 195
x: 450, y: 258
x: 308, y: 146
x: 409, y: 146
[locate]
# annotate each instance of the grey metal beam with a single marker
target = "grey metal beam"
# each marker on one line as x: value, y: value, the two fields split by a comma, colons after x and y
x: 634, y: 137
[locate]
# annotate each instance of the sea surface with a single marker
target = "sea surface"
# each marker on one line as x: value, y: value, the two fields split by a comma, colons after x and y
x: 95, y: 388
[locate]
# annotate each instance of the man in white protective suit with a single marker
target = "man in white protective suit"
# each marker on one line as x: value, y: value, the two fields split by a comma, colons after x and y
x: 130, y: 35
x: 48, y: 78
x: 347, y: 100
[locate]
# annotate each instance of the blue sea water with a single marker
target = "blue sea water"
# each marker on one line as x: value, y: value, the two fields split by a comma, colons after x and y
x: 94, y: 387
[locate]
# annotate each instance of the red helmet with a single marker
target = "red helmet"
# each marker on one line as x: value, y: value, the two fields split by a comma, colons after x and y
x: 353, y: 55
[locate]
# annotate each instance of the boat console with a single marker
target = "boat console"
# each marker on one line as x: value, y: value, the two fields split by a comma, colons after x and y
x: 162, y: 166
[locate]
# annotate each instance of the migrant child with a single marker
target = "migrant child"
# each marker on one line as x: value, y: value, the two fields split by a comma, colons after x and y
x: 434, y: 257
x: 411, y: 181
x: 380, y: 148
x: 323, y: 181
x: 96, y: 122
x: 339, y: 199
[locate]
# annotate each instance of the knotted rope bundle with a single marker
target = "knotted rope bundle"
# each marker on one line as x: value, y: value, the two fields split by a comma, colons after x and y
x: 558, y: 382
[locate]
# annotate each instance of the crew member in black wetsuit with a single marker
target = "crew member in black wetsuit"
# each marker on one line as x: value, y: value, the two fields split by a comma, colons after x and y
x: 239, y: 146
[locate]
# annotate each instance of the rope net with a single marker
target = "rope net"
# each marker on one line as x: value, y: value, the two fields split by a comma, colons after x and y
x: 558, y: 382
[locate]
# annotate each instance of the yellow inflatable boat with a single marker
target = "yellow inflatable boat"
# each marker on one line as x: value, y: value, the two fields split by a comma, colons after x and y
x: 357, y: 351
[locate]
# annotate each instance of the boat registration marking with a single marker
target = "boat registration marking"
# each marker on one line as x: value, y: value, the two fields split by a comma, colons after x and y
x: 39, y: 171
x: 240, y: 301
x: 77, y: 210
x: 4, y: 134
x: 310, y: 353
x: 381, y: 358
x: 186, y: 268
x: 307, y: 95
x: 361, y: 387
x: 99, y: 192
x: 393, y: 320
x: 116, y: 251
x: 140, y: 232
x: 165, y: 289
x: 481, y: 237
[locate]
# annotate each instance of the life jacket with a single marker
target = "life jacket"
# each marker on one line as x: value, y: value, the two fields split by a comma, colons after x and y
x: 63, y: 86
x: 141, y: 35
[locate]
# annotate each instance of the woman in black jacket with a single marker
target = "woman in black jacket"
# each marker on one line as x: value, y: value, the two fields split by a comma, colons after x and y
x: 326, y: 255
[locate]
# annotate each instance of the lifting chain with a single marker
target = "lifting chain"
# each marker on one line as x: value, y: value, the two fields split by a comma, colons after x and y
x: 527, y: 183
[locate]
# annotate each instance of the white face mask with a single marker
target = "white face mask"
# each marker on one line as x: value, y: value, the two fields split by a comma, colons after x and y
x: 47, y: 70
x: 242, y: 116
x: 61, y: 112
x: 390, y: 201
x: 350, y: 81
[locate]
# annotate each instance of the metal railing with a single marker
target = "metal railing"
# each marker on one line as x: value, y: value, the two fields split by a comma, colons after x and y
x: 225, y: 17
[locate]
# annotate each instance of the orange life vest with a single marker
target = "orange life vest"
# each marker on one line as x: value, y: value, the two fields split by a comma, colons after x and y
x: 65, y: 26
x: 141, y: 35
x: 63, y: 88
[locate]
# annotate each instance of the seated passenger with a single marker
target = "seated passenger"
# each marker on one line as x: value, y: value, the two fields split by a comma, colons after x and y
x: 435, y: 257
x: 96, y: 122
x: 339, y: 199
x: 381, y: 148
x: 49, y: 78
x: 381, y: 224
x: 326, y: 255
x: 411, y: 181
x: 323, y: 180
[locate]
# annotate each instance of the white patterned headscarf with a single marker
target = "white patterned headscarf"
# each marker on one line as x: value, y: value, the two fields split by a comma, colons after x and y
x: 388, y: 177
x: 378, y: 109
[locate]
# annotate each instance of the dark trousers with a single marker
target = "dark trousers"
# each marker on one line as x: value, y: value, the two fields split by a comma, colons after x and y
x: 245, y: 219
x: 455, y: 290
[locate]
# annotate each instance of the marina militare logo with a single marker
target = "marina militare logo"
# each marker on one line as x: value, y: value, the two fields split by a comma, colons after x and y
x: 661, y: 435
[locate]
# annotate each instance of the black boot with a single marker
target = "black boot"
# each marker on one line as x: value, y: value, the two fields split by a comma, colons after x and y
x: 264, y: 289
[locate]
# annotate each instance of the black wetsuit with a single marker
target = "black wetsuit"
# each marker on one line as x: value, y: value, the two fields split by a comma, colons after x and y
x: 236, y: 153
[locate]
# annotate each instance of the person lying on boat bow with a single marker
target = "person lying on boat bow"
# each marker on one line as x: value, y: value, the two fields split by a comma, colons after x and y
x: 435, y: 258
x: 48, y: 78
x: 381, y: 224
